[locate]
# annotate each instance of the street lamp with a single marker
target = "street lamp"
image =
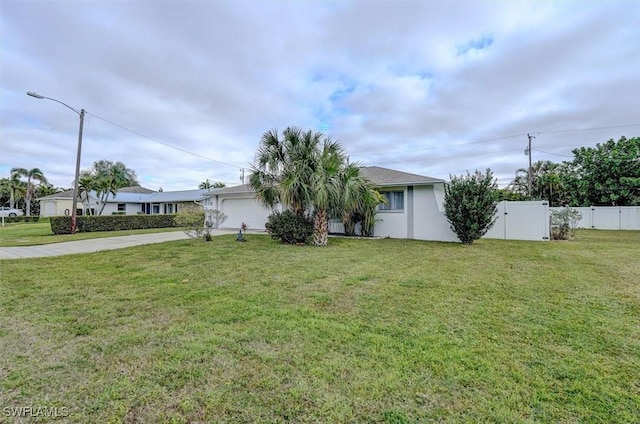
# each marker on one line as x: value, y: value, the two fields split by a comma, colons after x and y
x: 81, y: 113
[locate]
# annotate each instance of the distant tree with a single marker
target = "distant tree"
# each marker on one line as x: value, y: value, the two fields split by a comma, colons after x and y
x: 470, y: 204
x: 510, y: 195
x: 17, y: 187
x: 32, y: 175
x: 5, y: 191
x: 608, y: 174
x: 205, y: 185
x: 107, y: 177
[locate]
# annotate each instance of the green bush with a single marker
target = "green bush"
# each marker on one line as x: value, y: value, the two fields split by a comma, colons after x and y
x: 563, y: 223
x: 470, y: 204
x: 87, y: 223
x: 289, y: 227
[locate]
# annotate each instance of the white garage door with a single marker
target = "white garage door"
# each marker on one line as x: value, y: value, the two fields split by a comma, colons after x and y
x: 245, y: 210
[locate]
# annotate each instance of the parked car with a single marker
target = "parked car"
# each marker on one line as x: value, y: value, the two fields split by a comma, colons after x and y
x: 7, y: 211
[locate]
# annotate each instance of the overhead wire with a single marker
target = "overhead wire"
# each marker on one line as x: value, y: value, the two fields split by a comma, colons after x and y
x: 156, y: 140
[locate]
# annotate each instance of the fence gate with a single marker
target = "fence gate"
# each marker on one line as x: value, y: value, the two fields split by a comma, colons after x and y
x: 521, y: 221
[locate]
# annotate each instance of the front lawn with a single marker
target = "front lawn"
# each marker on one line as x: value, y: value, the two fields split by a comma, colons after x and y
x: 38, y: 233
x: 360, y: 331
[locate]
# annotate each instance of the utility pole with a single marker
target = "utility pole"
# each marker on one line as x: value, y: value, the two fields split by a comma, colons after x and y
x: 529, y: 176
x: 242, y: 176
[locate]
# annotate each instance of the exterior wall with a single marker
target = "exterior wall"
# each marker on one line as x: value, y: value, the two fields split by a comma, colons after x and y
x: 55, y: 207
x: 130, y: 208
x: 58, y: 207
x: 430, y: 223
x: 239, y: 208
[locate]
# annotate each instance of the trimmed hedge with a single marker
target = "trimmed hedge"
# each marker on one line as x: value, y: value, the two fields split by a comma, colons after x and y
x: 9, y: 219
x: 86, y: 224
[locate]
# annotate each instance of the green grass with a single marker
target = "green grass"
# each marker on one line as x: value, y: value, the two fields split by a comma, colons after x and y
x: 391, y: 331
x: 38, y: 233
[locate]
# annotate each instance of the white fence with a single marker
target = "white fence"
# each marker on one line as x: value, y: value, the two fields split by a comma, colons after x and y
x: 609, y: 217
x: 521, y: 221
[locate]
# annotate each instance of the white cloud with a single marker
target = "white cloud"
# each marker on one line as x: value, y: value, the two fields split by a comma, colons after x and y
x: 422, y: 85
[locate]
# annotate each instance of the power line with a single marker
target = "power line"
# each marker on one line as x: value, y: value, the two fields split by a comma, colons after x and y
x: 500, y: 138
x: 162, y: 142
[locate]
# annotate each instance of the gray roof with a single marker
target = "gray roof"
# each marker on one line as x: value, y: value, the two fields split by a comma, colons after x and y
x: 158, y: 197
x: 245, y: 188
x: 68, y: 194
x: 135, y: 189
x: 385, y: 177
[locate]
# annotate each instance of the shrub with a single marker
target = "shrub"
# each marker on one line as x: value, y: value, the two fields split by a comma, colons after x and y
x: 289, y: 227
x: 563, y: 223
x: 215, y: 218
x: 470, y: 204
x: 193, y: 225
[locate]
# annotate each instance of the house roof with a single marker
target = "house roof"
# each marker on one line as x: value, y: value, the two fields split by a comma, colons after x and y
x: 135, y: 189
x: 157, y: 196
x: 62, y: 195
x: 385, y: 177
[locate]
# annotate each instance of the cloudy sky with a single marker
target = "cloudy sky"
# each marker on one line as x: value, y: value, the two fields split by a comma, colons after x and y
x: 181, y: 91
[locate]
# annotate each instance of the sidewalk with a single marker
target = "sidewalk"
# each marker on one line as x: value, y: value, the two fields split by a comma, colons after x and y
x: 93, y: 245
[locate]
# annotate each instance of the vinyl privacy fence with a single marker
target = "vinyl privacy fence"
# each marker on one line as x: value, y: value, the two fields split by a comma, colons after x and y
x: 609, y: 217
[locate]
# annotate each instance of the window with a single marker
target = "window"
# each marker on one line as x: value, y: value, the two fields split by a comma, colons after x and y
x: 395, y: 201
x: 122, y: 207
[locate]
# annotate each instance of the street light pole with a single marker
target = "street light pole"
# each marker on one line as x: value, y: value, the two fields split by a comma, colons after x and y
x: 76, y: 180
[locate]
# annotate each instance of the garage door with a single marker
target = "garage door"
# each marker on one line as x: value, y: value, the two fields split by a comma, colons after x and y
x: 245, y: 210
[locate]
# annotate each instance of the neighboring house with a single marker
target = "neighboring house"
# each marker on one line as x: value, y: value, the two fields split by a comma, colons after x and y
x: 129, y: 200
x: 60, y: 204
x: 132, y: 202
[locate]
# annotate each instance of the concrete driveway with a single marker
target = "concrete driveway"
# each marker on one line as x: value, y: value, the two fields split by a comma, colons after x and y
x: 93, y: 245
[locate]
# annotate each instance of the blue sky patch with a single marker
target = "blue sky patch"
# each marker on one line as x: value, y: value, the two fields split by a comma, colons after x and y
x: 477, y: 44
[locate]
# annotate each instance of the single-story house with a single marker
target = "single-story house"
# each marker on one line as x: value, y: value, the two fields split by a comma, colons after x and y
x: 128, y: 200
x: 414, y: 208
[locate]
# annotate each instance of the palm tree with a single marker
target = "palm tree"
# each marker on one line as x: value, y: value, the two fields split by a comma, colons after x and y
x: 86, y: 184
x: 282, y: 170
x: 359, y: 201
x: 16, y: 185
x: 301, y: 170
x: 108, y: 184
x: 205, y: 185
x: 539, y: 169
x: 32, y: 175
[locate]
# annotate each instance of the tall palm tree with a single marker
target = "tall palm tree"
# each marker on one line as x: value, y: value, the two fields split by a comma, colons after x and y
x: 108, y: 184
x: 32, y: 175
x: 282, y: 169
x: 302, y: 170
x: 16, y: 185
x: 86, y: 184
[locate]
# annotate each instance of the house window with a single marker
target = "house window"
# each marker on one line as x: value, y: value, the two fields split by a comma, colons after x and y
x: 122, y: 207
x: 395, y: 201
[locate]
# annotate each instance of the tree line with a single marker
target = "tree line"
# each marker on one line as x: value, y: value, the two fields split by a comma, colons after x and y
x: 605, y: 175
